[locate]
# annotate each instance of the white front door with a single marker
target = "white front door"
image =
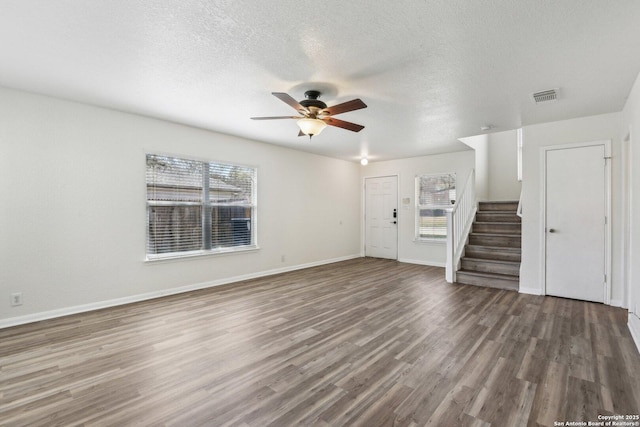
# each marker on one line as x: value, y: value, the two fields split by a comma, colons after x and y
x: 381, y: 217
x: 575, y: 233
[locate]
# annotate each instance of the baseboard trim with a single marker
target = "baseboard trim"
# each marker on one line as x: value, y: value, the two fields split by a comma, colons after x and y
x: 52, y: 314
x: 421, y: 262
x: 530, y: 291
x: 615, y: 303
x: 634, y: 328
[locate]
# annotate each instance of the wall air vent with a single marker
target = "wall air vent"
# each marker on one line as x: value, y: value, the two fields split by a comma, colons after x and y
x: 545, y: 96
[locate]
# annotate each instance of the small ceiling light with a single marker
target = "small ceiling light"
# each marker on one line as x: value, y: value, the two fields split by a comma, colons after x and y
x: 486, y: 128
x: 311, y: 127
x: 364, y: 161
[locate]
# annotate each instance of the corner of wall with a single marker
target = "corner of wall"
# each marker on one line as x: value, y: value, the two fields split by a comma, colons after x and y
x: 634, y: 329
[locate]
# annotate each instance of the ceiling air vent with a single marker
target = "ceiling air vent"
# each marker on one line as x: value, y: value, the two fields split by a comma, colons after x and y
x: 545, y: 96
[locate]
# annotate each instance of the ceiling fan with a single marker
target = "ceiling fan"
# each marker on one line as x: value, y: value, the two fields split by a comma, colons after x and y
x: 315, y: 115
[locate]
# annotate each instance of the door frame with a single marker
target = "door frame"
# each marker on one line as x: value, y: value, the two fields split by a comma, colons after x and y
x: 543, y: 211
x: 363, y: 213
x: 627, y: 199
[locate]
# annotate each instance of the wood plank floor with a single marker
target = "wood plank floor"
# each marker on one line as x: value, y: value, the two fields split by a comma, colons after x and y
x: 363, y: 342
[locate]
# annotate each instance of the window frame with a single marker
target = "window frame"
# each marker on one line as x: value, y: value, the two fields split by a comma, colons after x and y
x: 205, y: 204
x: 433, y: 207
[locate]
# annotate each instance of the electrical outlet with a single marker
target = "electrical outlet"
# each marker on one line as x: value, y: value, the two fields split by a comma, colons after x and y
x: 16, y: 299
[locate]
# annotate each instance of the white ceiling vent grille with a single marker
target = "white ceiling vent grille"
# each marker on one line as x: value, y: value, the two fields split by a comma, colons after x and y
x: 545, y: 96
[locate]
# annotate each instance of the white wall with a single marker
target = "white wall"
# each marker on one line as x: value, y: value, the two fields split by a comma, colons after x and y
x: 429, y: 253
x: 496, y: 165
x: 480, y: 144
x: 72, y: 212
x: 503, y: 166
x: 631, y: 124
x: 606, y: 126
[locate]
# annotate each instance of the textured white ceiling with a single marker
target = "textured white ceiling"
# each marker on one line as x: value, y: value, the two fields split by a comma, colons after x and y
x: 430, y: 71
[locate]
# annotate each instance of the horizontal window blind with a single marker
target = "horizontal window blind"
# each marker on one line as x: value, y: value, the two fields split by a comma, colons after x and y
x: 434, y: 193
x: 198, y: 206
x: 173, y: 180
x: 437, y: 190
x: 174, y: 229
x: 232, y: 206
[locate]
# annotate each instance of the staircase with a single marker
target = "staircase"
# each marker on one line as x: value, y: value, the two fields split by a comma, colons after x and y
x: 492, y: 255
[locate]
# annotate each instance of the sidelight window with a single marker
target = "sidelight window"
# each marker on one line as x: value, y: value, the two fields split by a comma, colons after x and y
x: 435, y: 193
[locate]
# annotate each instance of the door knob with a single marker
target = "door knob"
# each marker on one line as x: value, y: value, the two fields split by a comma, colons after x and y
x: 552, y: 230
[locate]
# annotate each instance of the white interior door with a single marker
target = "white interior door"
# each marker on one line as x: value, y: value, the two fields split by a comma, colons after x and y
x: 381, y: 217
x: 576, y: 209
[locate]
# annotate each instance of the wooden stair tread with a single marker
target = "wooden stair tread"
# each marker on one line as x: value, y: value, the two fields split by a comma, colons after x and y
x: 498, y: 213
x: 498, y: 206
x: 495, y: 239
x: 502, y: 253
x: 497, y: 227
x: 491, y: 266
x: 492, y: 261
x: 495, y: 222
x: 489, y: 275
x: 498, y: 203
x: 475, y: 233
x: 495, y: 248
x: 488, y: 280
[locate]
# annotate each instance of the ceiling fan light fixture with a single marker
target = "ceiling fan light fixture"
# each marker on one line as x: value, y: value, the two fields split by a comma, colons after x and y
x: 310, y: 126
x: 314, y: 115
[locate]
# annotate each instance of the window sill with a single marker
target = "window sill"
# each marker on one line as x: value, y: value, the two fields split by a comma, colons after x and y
x: 200, y: 254
x: 430, y: 241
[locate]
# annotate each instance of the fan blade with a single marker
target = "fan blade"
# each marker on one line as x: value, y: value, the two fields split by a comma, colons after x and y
x: 287, y: 99
x: 302, y: 133
x: 354, y: 104
x: 277, y: 117
x: 342, y: 124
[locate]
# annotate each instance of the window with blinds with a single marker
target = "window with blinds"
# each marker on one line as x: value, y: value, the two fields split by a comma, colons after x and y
x: 434, y: 194
x: 196, y: 207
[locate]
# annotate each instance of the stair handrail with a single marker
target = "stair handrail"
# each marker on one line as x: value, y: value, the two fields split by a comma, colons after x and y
x: 459, y: 220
